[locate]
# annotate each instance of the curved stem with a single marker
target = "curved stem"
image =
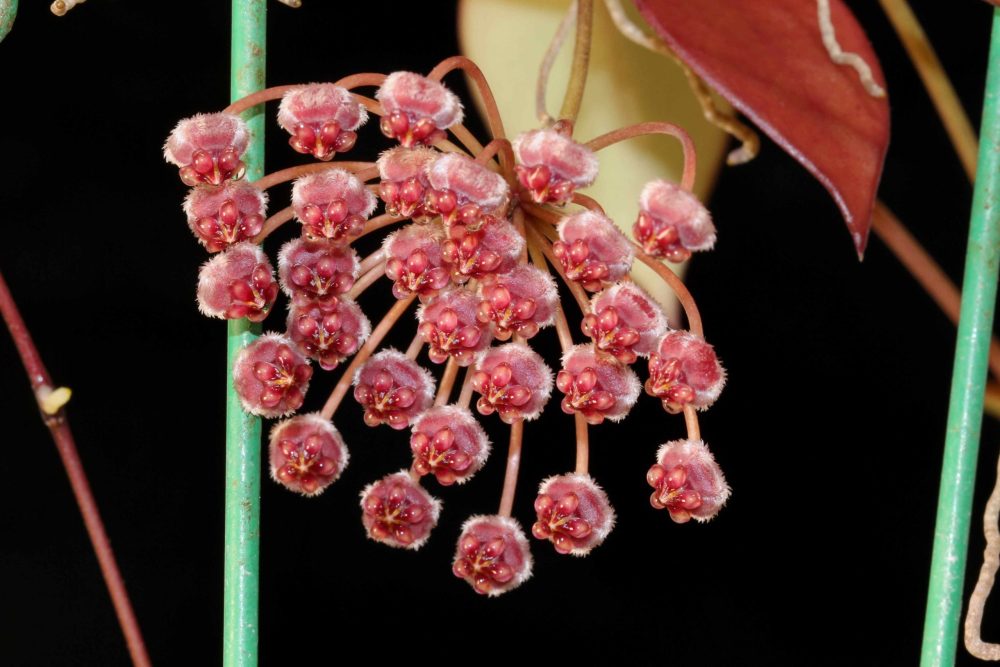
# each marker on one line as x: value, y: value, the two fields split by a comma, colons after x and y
x: 365, y: 281
x: 555, y: 46
x: 501, y: 146
x: 493, y: 119
x: 371, y: 261
x: 377, y: 223
x: 984, y: 584
x: 272, y: 223
x: 588, y: 203
x: 581, y: 61
x: 55, y: 419
x: 259, y: 97
x: 536, y: 239
x: 366, y: 351
x: 641, y: 129
x: 678, y: 287
x: 447, y: 382
x: 513, y: 465
x: 413, y: 351
x: 691, y: 423
x: 363, y: 170
x: 353, y: 81
x: 465, y: 396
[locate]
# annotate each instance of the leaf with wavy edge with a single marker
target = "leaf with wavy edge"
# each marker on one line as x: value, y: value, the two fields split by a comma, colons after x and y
x: 767, y: 58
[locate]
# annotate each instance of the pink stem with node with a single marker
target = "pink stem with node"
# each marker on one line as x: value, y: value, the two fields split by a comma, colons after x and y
x: 513, y: 466
x: 364, y: 171
x: 690, y: 157
x: 447, y: 382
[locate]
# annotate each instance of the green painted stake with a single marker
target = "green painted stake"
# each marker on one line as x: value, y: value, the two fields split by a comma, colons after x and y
x: 242, y: 567
x: 965, y: 412
x: 8, y: 12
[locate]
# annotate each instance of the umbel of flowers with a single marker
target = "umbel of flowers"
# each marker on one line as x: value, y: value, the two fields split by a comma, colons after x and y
x: 476, y: 231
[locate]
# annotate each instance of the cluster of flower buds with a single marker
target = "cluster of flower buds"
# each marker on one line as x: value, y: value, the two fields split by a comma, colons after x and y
x: 464, y: 256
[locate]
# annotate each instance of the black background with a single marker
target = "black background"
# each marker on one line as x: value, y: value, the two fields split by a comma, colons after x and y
x: 830, y: 430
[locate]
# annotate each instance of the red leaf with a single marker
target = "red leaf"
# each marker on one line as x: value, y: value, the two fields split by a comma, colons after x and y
x: 767, y: 58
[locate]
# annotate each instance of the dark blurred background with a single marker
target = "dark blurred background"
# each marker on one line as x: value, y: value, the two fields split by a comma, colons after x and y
x: 830, y: 430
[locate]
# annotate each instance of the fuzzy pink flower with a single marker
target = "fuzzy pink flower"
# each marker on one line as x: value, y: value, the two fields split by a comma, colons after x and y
x: 221, y: 217
x: 307, y: 454
x: 397, y: 511
x: 684, y: 369
x: 448, y: 442
x: 465, y: 192
x: 316, y: 270
x: 596, y: 387
x: 449, y: 326
x: 271, y: 376
x: 404, y: 180
x: 393, y: 389
x: 592, y: 251
x: 237, y: 283
x: 208, y: 147
x: 687, y: 481
x: 520, y: 301
x: 321, y: 118
x: 494, y: 248
x: 492, y: 555
x: 413, y: 261
x: 514, y: 382
x: 672, y: 222
x: 332, y: 204
x: 418, y: 109
x: 329, y: 333
x: 625, y: 322
x: 551, y: 166
x: 573, y: 513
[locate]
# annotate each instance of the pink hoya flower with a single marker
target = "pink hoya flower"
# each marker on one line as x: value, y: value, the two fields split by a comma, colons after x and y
x: 307, y: 454
x: 404, y: 180
x: 413, y: 261
x: 271, y: 376
x: 332, y: 204
x: 321, y: 118
x: 207, y: 147
x: 449, y: 326
x: 494, y: 248
x: 492, y: 554
x: 393, y: 389
x: 672, y: 222
x: 221, y: 217
x: 687, y: 481
x: 592, y: 251
x: 448, y: 442
x: 316, y: 270
x: 625, y: 322
x: 596, y: 387
x: 520, y: 301
x: 465, y: 192
x: 573, y: 513
x: 514, y: 382
x: 684, y: 369
x: 418, y: 109
x: 329, y: 333
x: 551, y: 166
x: 237, y: 283
x: 397, y: 511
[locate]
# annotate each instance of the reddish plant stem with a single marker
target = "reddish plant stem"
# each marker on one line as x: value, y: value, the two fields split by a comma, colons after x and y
x: 691, y: 423
x: 55, y: 419
x: 513, y: 466
x: 465, y: 396
x: 366, y: 280
x: 690, y: 156
x: 587, y: 202
x: 377, y: 223
x: 493, y: 119
x: 353, y: 81
x: 366, y: 351
x: 261, y: 96
x: 272, y: 223
x: 582, y: 444
x: 678, y: 287
x: 363, y: 170
x: 447, y: 382
x: 371, y: 261
x: 501, y: 146
x: 538, y: 241
x: 413, y: 351
x: 460, y: 131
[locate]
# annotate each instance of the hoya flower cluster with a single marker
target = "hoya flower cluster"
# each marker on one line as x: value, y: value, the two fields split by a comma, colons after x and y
x: 476, y: 233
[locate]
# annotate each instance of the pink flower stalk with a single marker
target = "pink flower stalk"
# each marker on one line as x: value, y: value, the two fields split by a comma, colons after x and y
x: 494, y: 248
x: 592, y: 251
x: 404, y: 180
x: 413, y: 261
x: 393, y: 389
x: 330, y: 332
x: 418, y: 109
x: 321, y: 118
x: 551, y: 166
x: 573, y: 513
x: 237, y: 283
x: 316, y: 270
x: 672, y: 222
x: 465, y: 192
x: 492, y: 555
x: 448, y: 442
x: 520, y: 301
x: 514, y: 382
x: 271, y: 376
x: 449, y: 326
x: 332, y: 204
x: 221, y: 217
x: 397, y: 511
x: 207, y: 148
x: 625, y: 322
x: 596, y: 387
x: 687, y: 481
x: 307, y: 454
x: 684, y: 369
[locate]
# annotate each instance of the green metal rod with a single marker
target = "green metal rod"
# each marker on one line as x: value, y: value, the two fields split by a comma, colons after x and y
x: 8, y: 12
x: 243, y: 431
x: 965, y: 411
